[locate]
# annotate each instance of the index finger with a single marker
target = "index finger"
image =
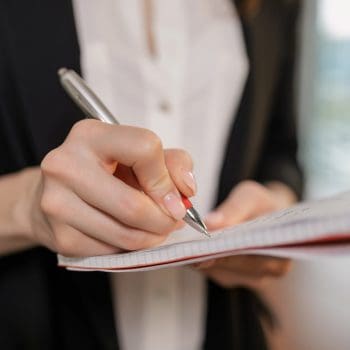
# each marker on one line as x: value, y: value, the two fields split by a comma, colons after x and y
x: 139, y: 149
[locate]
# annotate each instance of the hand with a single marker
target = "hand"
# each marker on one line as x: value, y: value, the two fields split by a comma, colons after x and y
x: 108, y: 188
x: 247, y: 201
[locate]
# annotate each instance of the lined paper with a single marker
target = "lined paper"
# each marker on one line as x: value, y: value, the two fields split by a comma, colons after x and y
x: 323, y: 221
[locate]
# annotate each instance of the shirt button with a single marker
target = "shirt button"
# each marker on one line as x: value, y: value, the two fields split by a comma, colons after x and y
x: 164, y: 106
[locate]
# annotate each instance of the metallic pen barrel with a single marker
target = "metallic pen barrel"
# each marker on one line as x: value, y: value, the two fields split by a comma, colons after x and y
x: 84, y: 97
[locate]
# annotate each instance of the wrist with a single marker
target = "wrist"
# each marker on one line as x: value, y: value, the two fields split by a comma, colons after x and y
x: 23, y: 188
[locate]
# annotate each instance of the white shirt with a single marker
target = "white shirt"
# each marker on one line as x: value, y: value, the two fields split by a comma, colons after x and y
x: 188, y: 95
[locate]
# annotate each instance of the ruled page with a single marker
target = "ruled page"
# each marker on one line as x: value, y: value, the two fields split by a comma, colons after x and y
x: 310, y: 221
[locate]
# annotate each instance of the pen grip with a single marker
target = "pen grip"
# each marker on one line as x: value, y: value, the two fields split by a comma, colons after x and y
x: 187, y: 203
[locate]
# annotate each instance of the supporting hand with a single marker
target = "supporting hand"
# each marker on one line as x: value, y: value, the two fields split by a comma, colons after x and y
x: 247, y: 201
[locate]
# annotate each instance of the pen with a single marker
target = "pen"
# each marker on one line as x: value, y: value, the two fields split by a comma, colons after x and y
x: 90, y: 104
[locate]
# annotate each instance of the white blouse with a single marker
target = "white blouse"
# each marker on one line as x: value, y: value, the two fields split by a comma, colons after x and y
x: 188, y: 94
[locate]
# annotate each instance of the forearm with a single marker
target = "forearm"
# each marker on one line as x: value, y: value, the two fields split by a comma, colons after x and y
x: 14, y: 211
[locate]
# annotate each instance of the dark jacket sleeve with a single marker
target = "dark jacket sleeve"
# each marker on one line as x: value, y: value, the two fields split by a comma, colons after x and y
x: 278, y: 160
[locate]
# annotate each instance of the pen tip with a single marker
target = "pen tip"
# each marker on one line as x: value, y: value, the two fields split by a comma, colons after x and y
x: 204, y: 228
x: 193, y: 219
x: 207, y: 233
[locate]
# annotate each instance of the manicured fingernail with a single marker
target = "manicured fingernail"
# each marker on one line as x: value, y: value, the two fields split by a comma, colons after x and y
x: 174, y: 205
x: 189, y: 180
x: 214, y: 218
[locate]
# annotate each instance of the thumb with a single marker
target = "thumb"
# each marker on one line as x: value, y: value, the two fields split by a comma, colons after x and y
x: 234, y: 210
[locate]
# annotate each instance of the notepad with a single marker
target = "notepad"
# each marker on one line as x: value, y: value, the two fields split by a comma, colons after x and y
x: 312, y: 229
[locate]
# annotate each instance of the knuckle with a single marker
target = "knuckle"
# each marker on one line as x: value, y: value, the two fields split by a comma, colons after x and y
x: 51, y: 203
x: 46, y: 204
x: 51, y: 161
x: 150, y: 143
x: 83, y: 129
x: 58, y: 163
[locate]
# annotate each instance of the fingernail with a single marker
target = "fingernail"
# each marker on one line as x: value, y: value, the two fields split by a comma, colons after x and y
x: 214, y: 218
x: 189, y: 180
x: 174, y: 205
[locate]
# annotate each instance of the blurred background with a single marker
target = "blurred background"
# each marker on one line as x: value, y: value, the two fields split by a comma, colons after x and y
x: 313, y: 301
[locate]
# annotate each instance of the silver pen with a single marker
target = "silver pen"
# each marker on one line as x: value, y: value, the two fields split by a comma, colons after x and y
x: 90, y: 104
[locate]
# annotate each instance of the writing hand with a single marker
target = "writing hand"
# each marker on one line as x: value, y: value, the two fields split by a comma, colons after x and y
x: 108, y: 188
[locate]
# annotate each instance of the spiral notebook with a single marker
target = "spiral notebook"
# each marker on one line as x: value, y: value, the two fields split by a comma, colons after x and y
x: 308, y: 230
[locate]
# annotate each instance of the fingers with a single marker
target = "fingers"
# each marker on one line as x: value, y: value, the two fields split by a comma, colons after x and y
x: 99, y: 226
x: 238, y: 207
x: 246, y: 201
x: 180, y: 165
x: 106, y: 234
x: 123, y: 204
x: 205, y: 264
x: 247, y: 271
x: 111, y: 185
x: 227, y: 279
x: 139, y: 149
x: 72, y: 243
x: 254, y: 266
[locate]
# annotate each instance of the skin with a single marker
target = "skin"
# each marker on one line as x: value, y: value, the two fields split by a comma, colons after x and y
x: 247, y: 201
x: 110, y: 188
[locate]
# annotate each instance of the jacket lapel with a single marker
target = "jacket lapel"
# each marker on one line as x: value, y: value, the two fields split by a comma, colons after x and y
x: 239, y: 309
x: 263, y: 44
x: 91, y: 300
x: 42, y: 38
x: 264, y: 38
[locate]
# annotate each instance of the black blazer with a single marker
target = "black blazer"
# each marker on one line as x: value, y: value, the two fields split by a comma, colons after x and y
x: 45, y: 307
